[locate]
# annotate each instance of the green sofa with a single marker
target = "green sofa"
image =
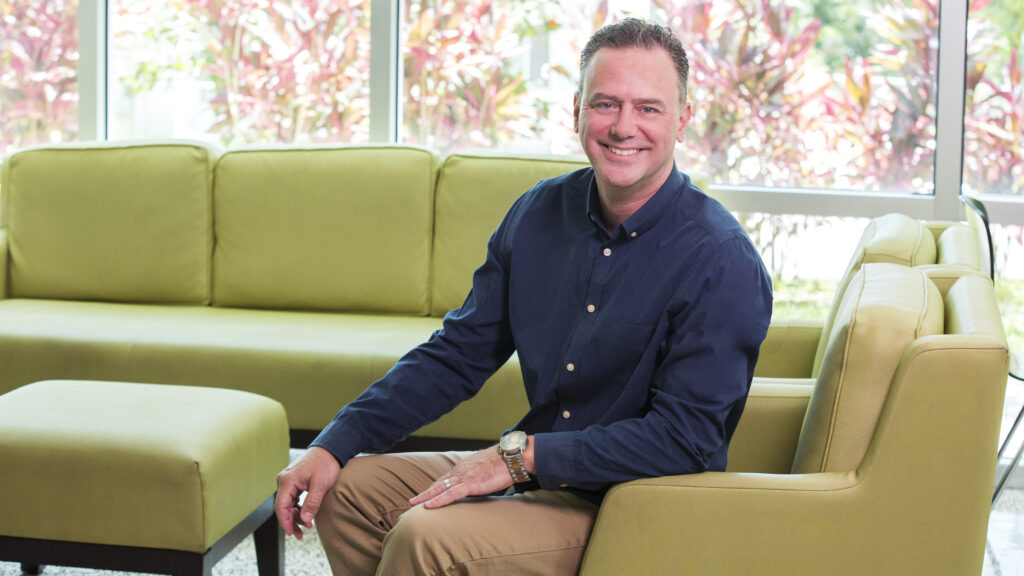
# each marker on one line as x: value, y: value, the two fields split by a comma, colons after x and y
x: 301, y: 274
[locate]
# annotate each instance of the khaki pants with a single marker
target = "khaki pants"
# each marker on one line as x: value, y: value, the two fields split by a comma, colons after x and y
x: 367, y: 527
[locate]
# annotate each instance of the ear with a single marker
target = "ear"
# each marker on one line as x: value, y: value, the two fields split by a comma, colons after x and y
x: 576, y: 112
x: 684, y: 119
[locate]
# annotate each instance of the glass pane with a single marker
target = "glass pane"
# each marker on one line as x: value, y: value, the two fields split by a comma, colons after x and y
x: 232, y: 72
x: 994, y: 116
x: 38, y: 72
x: 801, y: 253
x: 815, y: 94
x: 1008, y: 245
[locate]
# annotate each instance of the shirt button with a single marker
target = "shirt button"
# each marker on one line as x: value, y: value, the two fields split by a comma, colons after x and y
x: 563, y: 485
x: 570, y: 366
x: 607, y: 251
x: 591, y: 308
x: 566, y: 414
x: 632, y: 234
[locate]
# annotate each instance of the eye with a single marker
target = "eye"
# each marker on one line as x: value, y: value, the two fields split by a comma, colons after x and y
x: 649, y: 110
x: 604, y: 106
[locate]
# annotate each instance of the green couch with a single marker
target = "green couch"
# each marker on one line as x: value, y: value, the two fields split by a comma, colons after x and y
x: 301, y: 274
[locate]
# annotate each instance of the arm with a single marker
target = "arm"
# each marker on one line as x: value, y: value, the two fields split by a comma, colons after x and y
x: 716, y: 323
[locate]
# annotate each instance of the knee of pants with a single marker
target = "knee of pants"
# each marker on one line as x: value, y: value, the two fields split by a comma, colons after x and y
x: 360, y: 489
x: 422, y: 536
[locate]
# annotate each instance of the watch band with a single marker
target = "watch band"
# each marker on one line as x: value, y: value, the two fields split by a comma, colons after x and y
x: 517, y: 467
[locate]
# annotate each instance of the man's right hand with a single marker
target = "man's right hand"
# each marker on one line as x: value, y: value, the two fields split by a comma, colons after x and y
x: 314, y: 473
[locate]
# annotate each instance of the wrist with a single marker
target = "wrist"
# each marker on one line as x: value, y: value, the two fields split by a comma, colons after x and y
x: 528, y: 461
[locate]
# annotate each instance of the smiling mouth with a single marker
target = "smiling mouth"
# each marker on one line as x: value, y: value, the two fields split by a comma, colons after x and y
x: 622, y: 151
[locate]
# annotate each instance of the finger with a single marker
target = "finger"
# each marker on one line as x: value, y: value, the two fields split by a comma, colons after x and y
x: 433, y: 491
x: 446, y: 497
x: 318, y: 486
x: 285, y: 508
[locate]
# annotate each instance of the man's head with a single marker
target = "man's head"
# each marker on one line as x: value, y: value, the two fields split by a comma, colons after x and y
x: 630, y: 108
x: 636, y: 33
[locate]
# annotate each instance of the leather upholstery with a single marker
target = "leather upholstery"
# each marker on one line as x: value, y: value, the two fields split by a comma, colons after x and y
x: 134, y: 465
x: 917, y: 502
x: 335, y: 229
x: 116, y: 223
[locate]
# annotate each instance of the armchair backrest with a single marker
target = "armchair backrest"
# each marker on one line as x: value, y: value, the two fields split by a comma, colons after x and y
x: 884, y: 309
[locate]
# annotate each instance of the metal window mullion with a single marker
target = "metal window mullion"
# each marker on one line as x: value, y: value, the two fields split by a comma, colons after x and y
x: 92, y: 70
x: 949, y: 137
x: 385, y: 70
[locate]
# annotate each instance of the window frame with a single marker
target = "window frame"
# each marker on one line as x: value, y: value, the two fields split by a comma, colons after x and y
x: 385, y: 120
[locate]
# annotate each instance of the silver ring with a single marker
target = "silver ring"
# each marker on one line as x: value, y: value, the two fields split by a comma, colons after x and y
x: 447, y: 484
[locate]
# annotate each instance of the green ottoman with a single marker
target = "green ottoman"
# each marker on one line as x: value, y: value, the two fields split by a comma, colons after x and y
x: 140, y: 477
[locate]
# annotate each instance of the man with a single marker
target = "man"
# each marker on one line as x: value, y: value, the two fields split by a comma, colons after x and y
x: 636, y: 305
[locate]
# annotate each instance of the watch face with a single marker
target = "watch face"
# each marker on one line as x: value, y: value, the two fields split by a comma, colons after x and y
x: 513, y: 441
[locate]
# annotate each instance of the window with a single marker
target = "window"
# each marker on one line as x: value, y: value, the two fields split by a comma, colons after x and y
x: 38, y: 73
x: 235, y: 73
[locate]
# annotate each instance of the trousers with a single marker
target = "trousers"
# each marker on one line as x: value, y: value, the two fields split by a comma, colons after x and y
x: 367, y: 527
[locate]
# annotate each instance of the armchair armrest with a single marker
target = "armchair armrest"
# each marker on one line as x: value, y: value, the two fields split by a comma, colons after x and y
x: 3, y: 263
x: 789, y: 348
x: 725, y: 524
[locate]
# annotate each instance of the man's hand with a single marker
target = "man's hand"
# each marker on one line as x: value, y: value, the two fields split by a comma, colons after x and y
x: 314, y: 473
x: 485, y: 472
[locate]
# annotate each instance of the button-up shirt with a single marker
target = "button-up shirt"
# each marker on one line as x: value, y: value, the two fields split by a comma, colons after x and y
x: 637, y: 345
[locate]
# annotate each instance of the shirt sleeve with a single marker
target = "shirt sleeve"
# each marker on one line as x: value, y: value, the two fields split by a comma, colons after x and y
x: 433, y: 378
x: 716, y: 324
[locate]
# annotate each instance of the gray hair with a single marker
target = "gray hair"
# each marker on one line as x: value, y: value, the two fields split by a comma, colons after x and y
x: 637, y: 33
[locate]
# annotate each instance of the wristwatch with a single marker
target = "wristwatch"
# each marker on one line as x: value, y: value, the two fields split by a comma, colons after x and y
x: 511, y: 448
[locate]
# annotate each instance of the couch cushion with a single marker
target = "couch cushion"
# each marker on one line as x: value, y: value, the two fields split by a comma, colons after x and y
x: 885, y: 308
x: 894, y: 238
x: 474, y: 191
x: 119, y: 222
x: 313, y: 363
x: 332, y: 228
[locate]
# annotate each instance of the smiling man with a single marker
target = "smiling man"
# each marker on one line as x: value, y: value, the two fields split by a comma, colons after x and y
x: 636, y: 305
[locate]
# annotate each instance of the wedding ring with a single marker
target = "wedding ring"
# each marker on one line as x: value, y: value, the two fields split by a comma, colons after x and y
x: 447, y: 484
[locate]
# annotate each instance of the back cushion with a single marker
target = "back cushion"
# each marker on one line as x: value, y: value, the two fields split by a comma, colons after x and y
x: 113, y: 222
x: 338, y: 228
x: 474, y: 191
x: 885, y: 308
x: 894, y: 238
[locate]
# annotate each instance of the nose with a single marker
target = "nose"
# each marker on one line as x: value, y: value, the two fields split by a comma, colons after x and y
x: 625, y: 124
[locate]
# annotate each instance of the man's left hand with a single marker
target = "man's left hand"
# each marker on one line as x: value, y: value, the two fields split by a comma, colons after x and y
x: 484, y: 472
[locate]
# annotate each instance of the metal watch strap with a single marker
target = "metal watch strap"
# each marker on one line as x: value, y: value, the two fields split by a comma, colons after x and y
x: 517, y: 467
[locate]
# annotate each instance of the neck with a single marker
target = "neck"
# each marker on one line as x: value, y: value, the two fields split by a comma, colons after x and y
x: 615, y: 209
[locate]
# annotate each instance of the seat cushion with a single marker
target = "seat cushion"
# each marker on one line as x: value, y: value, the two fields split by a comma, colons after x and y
x: 154, y: 466
x: 313, y: 363
x: 885, y: 308
x: 474, y: 191
x: 115, y: 222
x: 334, y: 228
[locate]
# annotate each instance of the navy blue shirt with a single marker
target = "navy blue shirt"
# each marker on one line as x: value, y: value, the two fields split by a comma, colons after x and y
x: 637, y: 345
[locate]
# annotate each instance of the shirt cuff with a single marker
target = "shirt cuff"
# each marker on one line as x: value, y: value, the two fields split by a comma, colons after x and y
x: 554, y: 459
x: 339, y: 440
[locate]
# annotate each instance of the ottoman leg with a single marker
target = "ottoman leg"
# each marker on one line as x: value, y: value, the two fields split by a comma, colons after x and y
x: 269, y: 540
x: 32, y: 569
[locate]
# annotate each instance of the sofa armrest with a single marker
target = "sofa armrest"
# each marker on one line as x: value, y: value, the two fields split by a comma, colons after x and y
x: 789, y: 348
x: 769, y: 430
x: 3, y: 263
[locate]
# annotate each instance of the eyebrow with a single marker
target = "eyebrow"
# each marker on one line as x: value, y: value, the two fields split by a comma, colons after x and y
x: 616, y: 99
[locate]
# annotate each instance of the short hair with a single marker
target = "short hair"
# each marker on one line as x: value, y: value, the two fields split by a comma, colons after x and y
x: 637, y: 33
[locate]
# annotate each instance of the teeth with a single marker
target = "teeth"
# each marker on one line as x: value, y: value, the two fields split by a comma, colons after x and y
x: 621, y: 152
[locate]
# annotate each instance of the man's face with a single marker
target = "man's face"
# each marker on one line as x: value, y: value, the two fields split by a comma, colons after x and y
x: 629, y: 117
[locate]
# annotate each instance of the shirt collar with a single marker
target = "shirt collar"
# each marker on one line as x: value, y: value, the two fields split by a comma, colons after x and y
x: 647, y: 215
